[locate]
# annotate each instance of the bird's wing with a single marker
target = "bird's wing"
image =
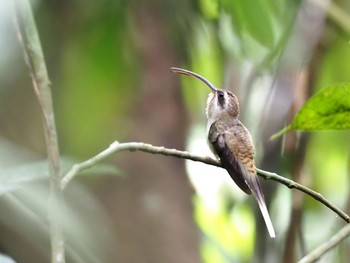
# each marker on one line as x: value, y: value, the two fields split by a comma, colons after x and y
x: 240, y: 144
x: 236, y: 151
x: 228, y: 159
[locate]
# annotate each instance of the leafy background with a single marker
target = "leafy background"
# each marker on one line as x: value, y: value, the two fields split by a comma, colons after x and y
x: 109, y: 62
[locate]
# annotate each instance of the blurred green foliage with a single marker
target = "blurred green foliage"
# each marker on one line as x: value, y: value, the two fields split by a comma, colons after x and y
x: 96, y: 57
x: 225, y: 241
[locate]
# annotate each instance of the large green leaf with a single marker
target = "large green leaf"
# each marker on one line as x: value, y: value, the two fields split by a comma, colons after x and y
x: 328, y: 109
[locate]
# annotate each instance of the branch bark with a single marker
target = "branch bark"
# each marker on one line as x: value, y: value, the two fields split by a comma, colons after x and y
x: 144, y: 147
x: 327, y: 246
x: 29, y: 39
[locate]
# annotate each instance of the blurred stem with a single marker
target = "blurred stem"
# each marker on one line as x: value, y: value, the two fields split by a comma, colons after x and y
x: 337, y: 14
x: 327, y: 246
x: 34, y: 58
x: 144, y: 147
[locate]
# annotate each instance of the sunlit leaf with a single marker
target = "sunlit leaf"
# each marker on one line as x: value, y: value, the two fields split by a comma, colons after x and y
x: 14, y: 177
x: 210, y: 8
x: 329, y: 109
x: 225, y: 229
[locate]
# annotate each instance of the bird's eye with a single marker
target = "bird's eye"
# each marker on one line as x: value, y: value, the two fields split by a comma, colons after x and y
x: 221, y: 94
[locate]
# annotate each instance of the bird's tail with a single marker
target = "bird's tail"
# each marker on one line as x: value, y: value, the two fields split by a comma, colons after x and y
x: 258, y: 194
x: 266, y: 216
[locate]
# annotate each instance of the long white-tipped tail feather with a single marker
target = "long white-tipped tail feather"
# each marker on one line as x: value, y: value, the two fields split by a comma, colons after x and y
x: 266, y: 216
x: 255, y: 187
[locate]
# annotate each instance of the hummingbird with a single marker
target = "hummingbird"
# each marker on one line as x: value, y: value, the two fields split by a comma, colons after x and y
x: 231, y: 141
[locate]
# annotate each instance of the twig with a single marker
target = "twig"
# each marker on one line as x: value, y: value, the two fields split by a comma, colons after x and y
x: 29, y: 38
x: 132, y: 146
x: 317, y: 196
x: 144, y: 147
x: 327, y: 246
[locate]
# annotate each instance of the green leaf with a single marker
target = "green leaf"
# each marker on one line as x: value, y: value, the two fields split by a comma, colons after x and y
x: 233, y: 8
x: 251, y: 17
x: 257, y: 20
x: 329, y: 109
x: 210, y: 8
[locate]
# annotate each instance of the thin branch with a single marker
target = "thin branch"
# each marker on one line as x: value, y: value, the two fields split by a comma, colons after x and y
x: 318, y: 252
x: 29, y: 38
x: 139, y: 146
x: 317, y: 196
x: 132, y: 146
x: 335, y: 13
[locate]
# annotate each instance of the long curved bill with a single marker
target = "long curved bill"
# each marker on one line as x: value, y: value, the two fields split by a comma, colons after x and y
x: 195, y: 75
